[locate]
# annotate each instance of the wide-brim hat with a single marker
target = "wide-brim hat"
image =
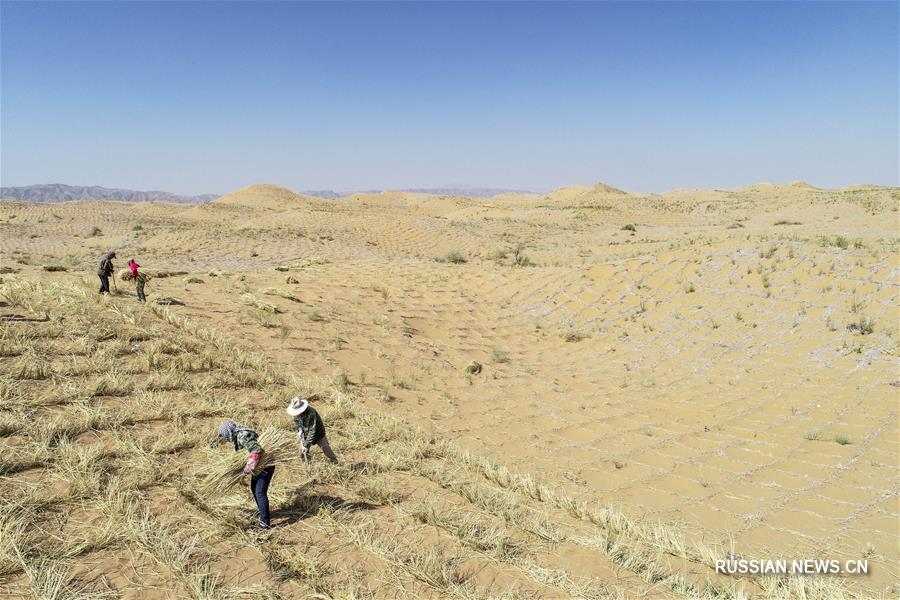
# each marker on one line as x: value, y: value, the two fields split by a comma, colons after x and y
x: 297, y: 406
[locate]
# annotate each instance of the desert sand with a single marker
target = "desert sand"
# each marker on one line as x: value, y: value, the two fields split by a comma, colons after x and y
x: 666, y: 379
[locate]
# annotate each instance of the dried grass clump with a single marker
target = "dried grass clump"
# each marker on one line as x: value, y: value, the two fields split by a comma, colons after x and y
x: 251, y: 300
x: 310, y: 262
x: 279, y: 447
x: 15, y: 523
x: 168, y: 301
x: 281, y: 293
x: 474, y: 532
x: 31, y: 366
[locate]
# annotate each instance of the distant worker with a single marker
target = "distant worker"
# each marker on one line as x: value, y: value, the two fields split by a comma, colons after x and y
x: 310, y: 428
x: 106, y: 270
x: 139, y: 279
x: 243, y: 437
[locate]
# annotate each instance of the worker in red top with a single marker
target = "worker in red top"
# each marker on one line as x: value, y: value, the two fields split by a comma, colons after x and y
x: 139, y: 279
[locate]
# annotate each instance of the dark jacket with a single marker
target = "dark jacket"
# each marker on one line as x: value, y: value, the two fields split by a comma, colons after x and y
x: 106, y: 265
x: 249, y: 441
x: 310, y: 425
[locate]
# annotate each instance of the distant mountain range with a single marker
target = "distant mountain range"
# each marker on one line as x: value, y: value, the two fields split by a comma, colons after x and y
x: 58, y: 192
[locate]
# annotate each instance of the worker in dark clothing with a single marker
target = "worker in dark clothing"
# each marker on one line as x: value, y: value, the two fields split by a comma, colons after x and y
x: 310, y: 428
x: 106, y: 270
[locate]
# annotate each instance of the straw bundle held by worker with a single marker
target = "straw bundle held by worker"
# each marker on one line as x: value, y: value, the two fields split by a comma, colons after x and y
x: 279, y: 446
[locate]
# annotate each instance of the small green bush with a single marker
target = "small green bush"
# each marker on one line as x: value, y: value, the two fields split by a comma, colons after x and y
x: 842, y: 439
x: 500, y: 356
x: 455, y: 257
x: 837, y: 241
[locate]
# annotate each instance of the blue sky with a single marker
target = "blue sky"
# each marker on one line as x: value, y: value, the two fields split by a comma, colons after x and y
x: 210, y: 97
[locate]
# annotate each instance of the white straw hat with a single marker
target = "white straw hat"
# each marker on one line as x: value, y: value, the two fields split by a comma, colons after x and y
x: 297, y: 406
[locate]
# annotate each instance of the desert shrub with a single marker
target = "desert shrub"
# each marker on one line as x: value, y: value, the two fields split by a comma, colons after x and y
x: 629, y: 227
x: 454, y: 257
x: 314, y: 315
x: 864, y: 325
x: 498, y: 254
x: 499, y: 356
x: 137, y: 227
x: 55, y: 268
x: 523, y: 261
x: 786, y: 222
x: 520, y: 259
x: 842, y: 439
x: 836, y: 241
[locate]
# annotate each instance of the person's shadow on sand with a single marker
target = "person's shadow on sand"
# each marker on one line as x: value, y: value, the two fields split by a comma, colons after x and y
x: 302, y: 506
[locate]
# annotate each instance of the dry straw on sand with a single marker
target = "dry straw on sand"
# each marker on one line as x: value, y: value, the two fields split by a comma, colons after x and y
x: 225, y: 472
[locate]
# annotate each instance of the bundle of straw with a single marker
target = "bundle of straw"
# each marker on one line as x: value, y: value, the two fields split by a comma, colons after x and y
x: 279, y: 446
x: 125, y: 275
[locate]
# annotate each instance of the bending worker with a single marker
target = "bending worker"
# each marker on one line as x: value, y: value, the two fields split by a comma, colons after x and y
x: 310, y: 428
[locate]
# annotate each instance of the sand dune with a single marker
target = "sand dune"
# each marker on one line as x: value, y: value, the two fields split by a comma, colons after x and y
x: 722, y: 363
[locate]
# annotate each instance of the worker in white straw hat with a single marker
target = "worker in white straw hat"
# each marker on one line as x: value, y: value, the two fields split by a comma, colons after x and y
x: 310, y: 428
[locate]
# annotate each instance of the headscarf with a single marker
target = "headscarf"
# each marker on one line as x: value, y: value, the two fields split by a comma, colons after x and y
x: 227, y: 430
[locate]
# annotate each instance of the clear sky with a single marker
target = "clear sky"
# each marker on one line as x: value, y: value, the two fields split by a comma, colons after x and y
x: 209, y: 97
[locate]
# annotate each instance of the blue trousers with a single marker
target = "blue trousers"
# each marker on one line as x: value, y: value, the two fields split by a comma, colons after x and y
x: 259, y: 485
x: 104, y: 284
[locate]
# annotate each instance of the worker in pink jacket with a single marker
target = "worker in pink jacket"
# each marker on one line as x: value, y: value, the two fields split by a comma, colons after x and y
x: 139, y: 279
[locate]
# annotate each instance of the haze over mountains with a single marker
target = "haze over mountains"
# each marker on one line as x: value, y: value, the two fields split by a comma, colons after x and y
x: 58, y: 192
